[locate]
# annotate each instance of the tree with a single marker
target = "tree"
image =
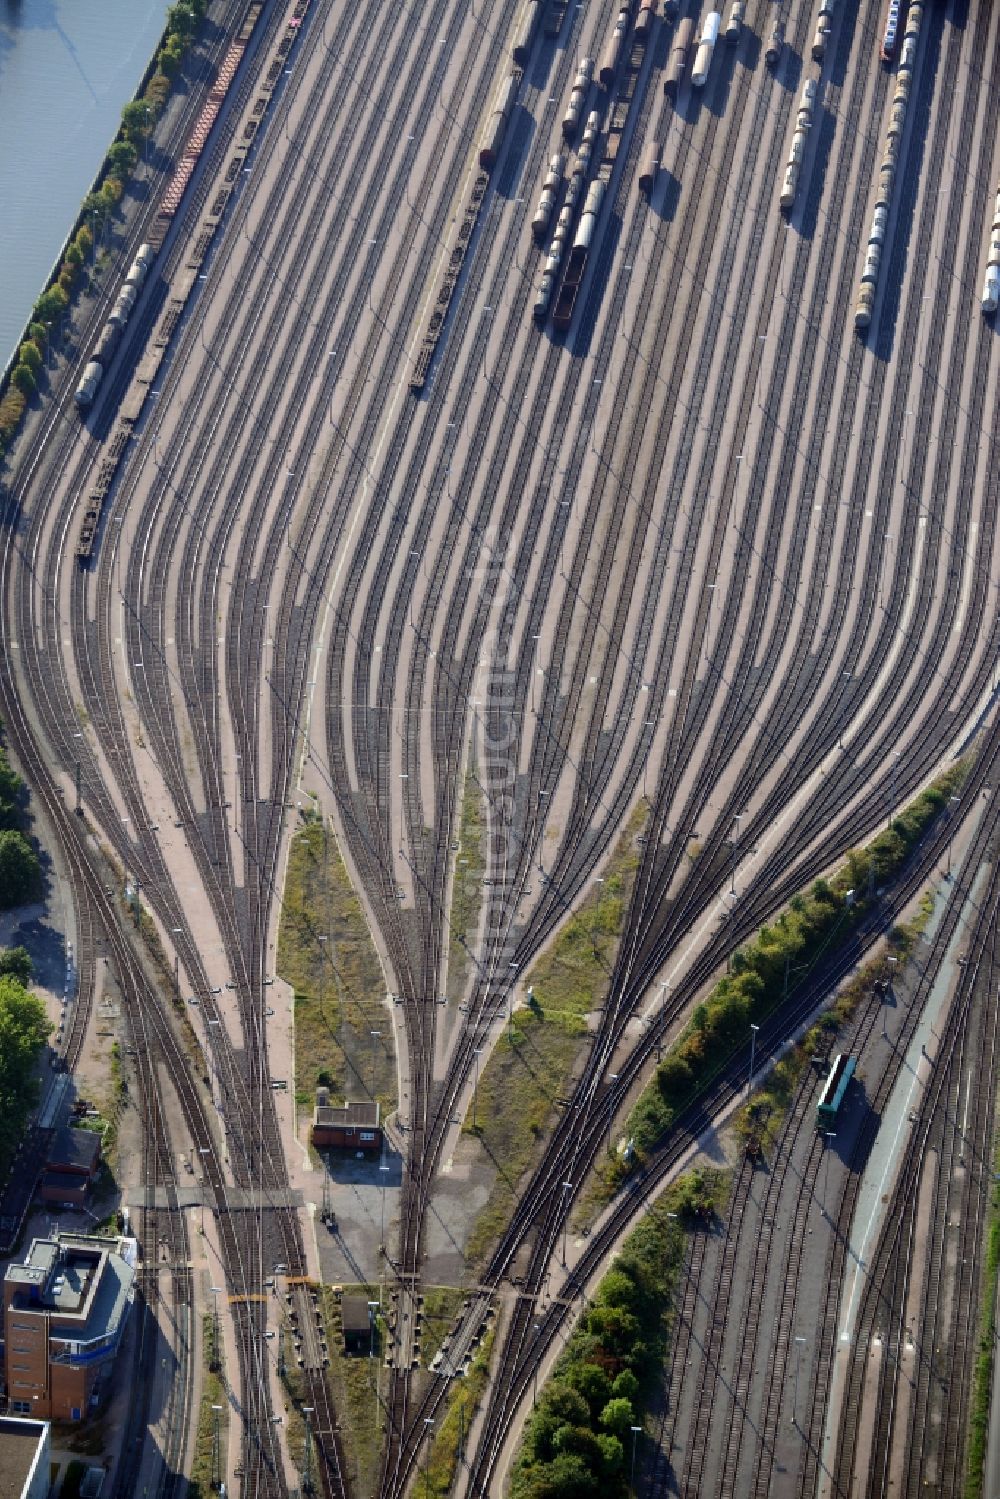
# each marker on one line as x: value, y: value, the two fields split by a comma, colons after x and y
x: 566, y: 1477
x: 95, y: 208
x: 111, y: 189
x: 618, y: 1416
x: 182, y: 20
x: 157, y: 90
x: 39, y: 335
x: 122, y: 157
x: 20, y: 874
x: 30, y: 356
x: 136, y: 119
x: 15, y: 963
x: 24, y: 380
x: 11, y: 790
x: 612, y: 1453
x: 592, y: 1383
x: 23, y: 1029
x: 51, y: 304
x: 626, y: 1386
x: 566, y: 1405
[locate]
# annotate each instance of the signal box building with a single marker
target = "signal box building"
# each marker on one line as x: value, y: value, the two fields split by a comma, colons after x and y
x: 356, y: 1317
x: 64, y: 1313
x: 74, y: 1157
x: 355, y: 1126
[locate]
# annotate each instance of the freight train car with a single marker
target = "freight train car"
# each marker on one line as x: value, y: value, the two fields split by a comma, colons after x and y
x: 111, y: 333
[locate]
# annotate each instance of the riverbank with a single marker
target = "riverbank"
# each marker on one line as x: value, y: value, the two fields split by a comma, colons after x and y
x: 66, y: 69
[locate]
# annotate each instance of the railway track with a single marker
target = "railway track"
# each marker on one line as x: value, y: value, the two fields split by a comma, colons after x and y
x: 289, y: 499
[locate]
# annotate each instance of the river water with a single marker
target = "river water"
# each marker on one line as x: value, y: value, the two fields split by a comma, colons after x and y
x: 66, y: 69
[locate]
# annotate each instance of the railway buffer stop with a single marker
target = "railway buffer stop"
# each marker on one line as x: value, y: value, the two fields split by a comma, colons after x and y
x: 352, y: 1126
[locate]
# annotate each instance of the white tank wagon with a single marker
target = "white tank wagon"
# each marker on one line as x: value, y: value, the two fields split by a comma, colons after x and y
x: 734, y: 26
x: 991, y: 283
x: 706, y: 50
x: 890, y: 159
x: 588, y: 222
x: 797, y: 149
x: 578, y: 97
x: 111, y: 333
x: 824, y: 26
x: 551, y: 189
x: 87, y: 388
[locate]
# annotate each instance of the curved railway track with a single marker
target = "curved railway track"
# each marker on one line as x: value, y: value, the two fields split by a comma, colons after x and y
x: 687, y: 515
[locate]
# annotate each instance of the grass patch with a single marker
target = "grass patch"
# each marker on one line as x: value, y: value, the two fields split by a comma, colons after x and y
x: 532, y: 1065
x: 982, y: 1376
x: 326, y: 953
x: 452, y: 1434
x: 212, y: 1393
x: 578, y: 1439
x: 441, y: 1305
x: 467, y: 888
x: 357, y: 1393
x: 781, y: 956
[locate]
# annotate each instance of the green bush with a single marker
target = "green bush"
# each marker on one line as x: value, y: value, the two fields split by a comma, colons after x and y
x: 122, y: 157
x: 23, y: 1029
x: 51, y: 305
x: 24, y: 380
x: 20, y: 873
x: 15, y: 963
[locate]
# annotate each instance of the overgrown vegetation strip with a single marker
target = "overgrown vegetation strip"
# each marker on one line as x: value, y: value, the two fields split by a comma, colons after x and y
x: 532, y: 1065
x: 326, y: 953
x: 213, y: 1393
x: 581, y: 1438
x: 451, y: 1435
x: 982, y: 1379
x: 762, y: 973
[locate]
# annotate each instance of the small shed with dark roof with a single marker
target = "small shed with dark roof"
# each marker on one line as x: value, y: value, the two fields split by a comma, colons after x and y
x: 355, y: 1315
x: 76, y: 1151
x: 355, y: 1126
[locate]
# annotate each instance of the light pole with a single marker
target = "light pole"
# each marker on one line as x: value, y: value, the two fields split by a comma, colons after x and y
x: 375, y: 1036
x: 612, y: 1079
x: 383, y: 1172
x: 830, y: 1136
x: 307, y: 1411
x: 635, y: 1433
x: 534, y: 1390
x: 475, y: 1090
x: 952, y: 801
x: 753, y: 1048
x: 217, y: 1450
x: 567, y: 1188
x: 800, y: 1343
x: 203, y: 1151
x: 428, y: 1423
